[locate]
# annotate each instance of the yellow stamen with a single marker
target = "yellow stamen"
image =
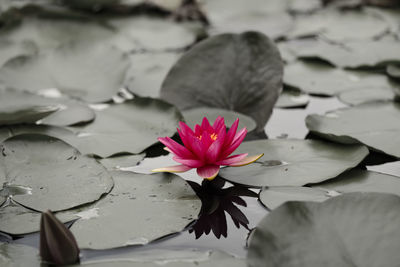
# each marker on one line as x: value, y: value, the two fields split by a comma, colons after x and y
x: 214, y: 136
x: 199, y: 137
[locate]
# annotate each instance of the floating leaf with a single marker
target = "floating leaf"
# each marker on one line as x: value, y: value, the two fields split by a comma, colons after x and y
x: 241, y: 72
x: 148, y: 71
x: 139, y: 209
x: 12, y: 255
x: 130, y: 127
x: 304, y: 6
x: 291, y: 98
x: 393, y: 71
x: 380, y: 131
x: 10, y: 50
x: 340, y: 26
x: 54, y: 175
x: 321, y: 79
x: 93, y: 73
x: 294, y: 162
x: 366, y: 94
x: 341, y: 231
x: 119, y: 162
x: 195, y: 116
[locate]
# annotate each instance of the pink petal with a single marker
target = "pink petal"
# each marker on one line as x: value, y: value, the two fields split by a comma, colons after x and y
x: 208, y: 172
x: 193, y: 163
x: 215, y: 148
x: 185, y: 139
x: 176, y: 148
x: 231, y: 133
x: 232, y: 160
x: 176, y: 168
x: 185, y: 128
x: 205, y: 125
x: 197, y: 130
x: 246, y: 161
x: 237, y: 140
x: 218, y: 123
x: 197, y: 147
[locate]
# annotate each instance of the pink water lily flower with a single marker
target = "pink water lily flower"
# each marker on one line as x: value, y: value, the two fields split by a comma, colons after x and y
x: 207, y: 148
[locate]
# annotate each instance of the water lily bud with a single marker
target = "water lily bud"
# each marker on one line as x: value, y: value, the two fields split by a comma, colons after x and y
x: 57, y: 244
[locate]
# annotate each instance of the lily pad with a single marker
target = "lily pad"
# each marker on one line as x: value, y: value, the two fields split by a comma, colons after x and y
x: 321, y: 79
x: 130, y: 127
x: 21, y: 107
x: 195, y: 116
x: 14, y: 255
x: 139, y: 209
x: 53, y: 174
x: 291, y: 98
x: 354, y: 25
x: 239, y: 72
x: 148, y: 71
x: 118, y: 162
x: 93, y: 73
x: 24, y: 107
x: 366, y: 94
x: 292, y: 162
x: 304, y: 6
x: 380, y: 131
x: 354, y: 54
x: 393, y: 71
x: 10, y: 50
x: 341, y: 231
x: 17, y: 220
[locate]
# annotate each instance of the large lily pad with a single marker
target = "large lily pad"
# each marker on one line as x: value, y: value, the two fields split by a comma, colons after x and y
x: 93, y: 73
x: 240, y: 72
x: 341, y: 231
x: 24, y: 107
x: 380, y: 131
x: 129, y: 127
x: 294, y: 162
x: 195, y: 116
x: 148, y: 71
x: 15, y: 255
x: 321, y: 79
x: 354, y: 54
x: 54, y: 175
x: 354, y: 25
x: 140, y: 209
x: 118, y: 162
x: 291, y: 98
x: 366, y: 94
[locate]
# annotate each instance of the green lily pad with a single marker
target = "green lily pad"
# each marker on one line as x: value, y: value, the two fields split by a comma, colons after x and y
x: 366, y: 94
x: 292, y: 162
x: 14, y: 255
x: 291, y: 98
x: 51, y: 174
x: 139, y: 209
x: 116, y: 163
x: 17, y: 220
x: 195, y: 116
x: 10, y: 50
x: 21, y: 107
x: 130, y: 127
x: 321, y: 79
x: 341, y: 231
x: 148, y: 71
x: 24, y: 107
x: 354, y: 25
x: 173, y: 258
x: 93, y: 73
x: 239, y: 72
x: 380, y: 131
x: 354, y: 54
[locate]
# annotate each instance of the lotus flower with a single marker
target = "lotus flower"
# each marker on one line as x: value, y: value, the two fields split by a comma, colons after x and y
x: 207, y: 148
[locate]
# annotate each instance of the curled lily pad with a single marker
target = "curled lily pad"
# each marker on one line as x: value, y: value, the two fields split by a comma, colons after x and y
x: 130, y: 127
x: 52, y: 174
x: 338, y: 232
x: 239, y: 72
x: 17, y: 220
x: 139, y: 209
x: 321, y: 79
x: 194, y: 116
x: 13, y: 255
x: 348, y: 125
x: 93, y: 73
x: 366, y: 94
x: 291, y: 98
x: 291, y: 162
x: 148, y: 71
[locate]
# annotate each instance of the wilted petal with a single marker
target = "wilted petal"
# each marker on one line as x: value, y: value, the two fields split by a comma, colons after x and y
x: 175, y: 168
x: 57, y: 243
x: 232, y: 160
x: 176, y: 148
x: 193, y: 163
x: 208, y: 172
x: 246, y: 161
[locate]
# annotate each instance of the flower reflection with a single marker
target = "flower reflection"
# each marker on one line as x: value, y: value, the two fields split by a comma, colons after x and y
x: 216, y: 201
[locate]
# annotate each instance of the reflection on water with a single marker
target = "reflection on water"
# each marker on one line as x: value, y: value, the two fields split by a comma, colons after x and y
x: 217, y: 202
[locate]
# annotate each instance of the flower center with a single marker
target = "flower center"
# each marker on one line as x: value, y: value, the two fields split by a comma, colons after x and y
x: 214, y: 136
